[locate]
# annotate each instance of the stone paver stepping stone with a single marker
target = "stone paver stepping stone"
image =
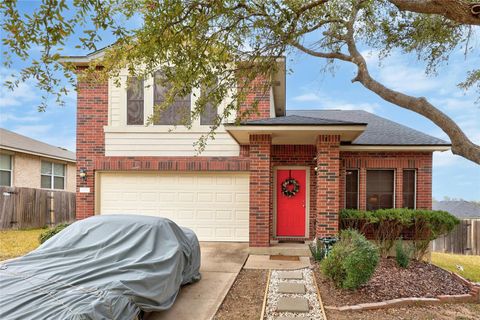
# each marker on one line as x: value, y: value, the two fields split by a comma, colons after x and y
x: 291, y: 287
x: 292, y: 318
x: 295, y: 275
x: 292, y: 305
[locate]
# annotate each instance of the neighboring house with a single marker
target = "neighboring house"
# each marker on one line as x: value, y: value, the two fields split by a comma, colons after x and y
x: 282, y: 175
x: 25, y: 162
x: 459, y: 208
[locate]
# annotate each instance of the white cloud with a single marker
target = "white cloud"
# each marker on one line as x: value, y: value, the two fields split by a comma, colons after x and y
x: 444, y: 159
x: 5, y: 117
x: 25, y: 93
x: 324, y: 101
x: 308, y: 97
x: 34, y: 131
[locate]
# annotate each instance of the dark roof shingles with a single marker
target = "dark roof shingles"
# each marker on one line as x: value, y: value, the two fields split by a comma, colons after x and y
x: 299, y: 120
x: 379, y: 131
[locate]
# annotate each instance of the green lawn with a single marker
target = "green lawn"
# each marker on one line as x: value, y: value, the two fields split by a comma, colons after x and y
x: 14, y: 243
x: 470, y: 264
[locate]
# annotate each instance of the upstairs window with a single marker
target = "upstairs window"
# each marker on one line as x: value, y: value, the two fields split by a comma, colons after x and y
x: 209, y: 114
x: 52, y: 175
x: 174, y: 114
x: 409, y: 187
x: 5, y: 170
x: 351, y: 189
x: 135, y: 97
x: 380, y: 189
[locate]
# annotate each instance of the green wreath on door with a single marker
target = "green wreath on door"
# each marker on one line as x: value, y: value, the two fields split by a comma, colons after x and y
x: 290, y: 187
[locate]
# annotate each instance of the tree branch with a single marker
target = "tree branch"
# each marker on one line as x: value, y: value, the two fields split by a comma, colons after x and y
x: 460, y: 11
x: 461, y: 144
x: 326, y: 55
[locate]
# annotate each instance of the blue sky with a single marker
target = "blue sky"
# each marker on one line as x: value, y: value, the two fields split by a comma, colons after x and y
x: 308, y: 87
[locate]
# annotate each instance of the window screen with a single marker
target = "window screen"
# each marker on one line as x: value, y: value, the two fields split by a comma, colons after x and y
x: 351, y: 189
x: 135, y: 98
x: 409, y: 189
x: 380, y: 189
x: 177, y: 112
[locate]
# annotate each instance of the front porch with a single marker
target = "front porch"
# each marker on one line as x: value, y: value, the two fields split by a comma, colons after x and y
x: 277, y: 211
x: 294, y: 176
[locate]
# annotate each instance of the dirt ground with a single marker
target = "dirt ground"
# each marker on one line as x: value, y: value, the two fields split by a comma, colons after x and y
x: 245, y: 299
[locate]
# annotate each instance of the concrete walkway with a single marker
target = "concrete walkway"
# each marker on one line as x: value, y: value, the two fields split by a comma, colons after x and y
x: 221, y: 262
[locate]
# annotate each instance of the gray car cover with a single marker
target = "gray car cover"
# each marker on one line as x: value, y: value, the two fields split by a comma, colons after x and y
x: 103, y: 267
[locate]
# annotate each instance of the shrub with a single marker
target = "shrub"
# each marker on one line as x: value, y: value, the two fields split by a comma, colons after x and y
x: 352, y: 260
x: 44, y: 236
x: 317, y: 250
x: 402, y: 254
x: 387, y: 226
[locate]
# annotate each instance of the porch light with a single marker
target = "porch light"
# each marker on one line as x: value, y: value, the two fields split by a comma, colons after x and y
x: 83, y: 174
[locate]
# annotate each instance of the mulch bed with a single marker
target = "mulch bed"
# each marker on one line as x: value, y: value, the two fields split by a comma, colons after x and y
x: 389, y: 281
x: 245, y: 298
x: 464, y: 311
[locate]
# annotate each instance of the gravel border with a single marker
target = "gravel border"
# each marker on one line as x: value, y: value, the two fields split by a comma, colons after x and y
x: 311, y: 295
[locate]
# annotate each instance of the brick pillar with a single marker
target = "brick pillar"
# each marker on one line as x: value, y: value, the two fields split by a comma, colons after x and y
x: 260, y: 151
x: 328, y: 191
x: 399, y: 188
x: 362, y: 189
x: 257, y: 100
x: 92, y: 115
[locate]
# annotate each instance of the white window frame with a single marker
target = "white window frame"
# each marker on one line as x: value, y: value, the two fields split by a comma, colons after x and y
x: 11, y: 169
x: 53, y: 176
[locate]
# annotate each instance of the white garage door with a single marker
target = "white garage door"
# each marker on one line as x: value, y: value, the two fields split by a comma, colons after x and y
x: 214, y: 205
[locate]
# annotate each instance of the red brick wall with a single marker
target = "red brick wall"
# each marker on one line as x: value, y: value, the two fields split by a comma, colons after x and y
x: 92, y: 115
x: 257, y: 102
x: 328, y: 184
x: 260, y: 191
x: 398, y: 161
x: 297, y: 155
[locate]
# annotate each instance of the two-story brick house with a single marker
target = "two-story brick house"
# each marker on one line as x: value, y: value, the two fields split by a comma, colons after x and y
x: 281, y: 175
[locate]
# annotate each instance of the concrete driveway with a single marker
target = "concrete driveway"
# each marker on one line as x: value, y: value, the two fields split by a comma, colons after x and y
x: 221, y: 262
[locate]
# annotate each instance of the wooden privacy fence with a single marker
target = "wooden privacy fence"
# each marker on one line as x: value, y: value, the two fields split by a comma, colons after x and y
x: 23, y: 208
x: 464, y: 239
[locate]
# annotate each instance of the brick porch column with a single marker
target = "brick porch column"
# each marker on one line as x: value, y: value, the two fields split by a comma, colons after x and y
x: 260, y: 150
x: 328, y: 187
x: 92, y: 115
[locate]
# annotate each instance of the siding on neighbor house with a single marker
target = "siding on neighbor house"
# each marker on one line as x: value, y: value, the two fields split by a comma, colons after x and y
x: 166, y: 140
x: 27, y: 171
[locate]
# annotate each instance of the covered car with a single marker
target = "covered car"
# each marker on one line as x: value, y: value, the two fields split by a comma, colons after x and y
x: 103, y: 267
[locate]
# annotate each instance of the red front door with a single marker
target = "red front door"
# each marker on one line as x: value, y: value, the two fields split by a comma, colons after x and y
x: 291, y: 207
